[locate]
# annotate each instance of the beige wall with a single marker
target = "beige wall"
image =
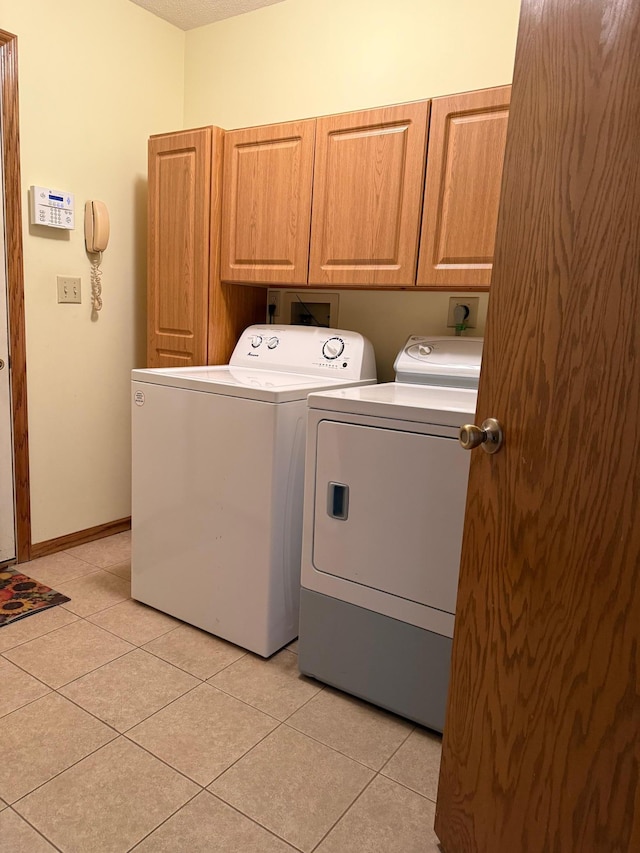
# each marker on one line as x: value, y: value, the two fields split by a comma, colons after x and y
x: 304, y: 58
x: 96, y: 78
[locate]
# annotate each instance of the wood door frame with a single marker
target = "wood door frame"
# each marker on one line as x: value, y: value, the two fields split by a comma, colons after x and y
x: 15, y: 290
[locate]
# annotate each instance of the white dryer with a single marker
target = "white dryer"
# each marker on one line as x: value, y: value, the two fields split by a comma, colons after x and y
x: 385, y: 494
x: 218, y: 468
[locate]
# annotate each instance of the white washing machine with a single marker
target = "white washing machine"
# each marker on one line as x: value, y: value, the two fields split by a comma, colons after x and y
x: 385, y: 493
x: 218, y: 469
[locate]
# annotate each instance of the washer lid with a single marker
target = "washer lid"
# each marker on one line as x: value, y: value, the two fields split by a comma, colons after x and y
x: 270, y: 386
x: 451, y: 361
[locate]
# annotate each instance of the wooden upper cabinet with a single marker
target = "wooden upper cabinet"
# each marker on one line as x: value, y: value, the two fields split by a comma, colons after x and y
x: 179, y: 237
x: 367, y: 195
x: 266, y: 206
x: 467, y: 137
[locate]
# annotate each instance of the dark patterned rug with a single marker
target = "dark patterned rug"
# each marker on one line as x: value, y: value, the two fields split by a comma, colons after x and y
x: 21, y: 596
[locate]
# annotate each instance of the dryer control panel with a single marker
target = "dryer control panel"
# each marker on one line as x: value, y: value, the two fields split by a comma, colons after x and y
x: 449, y: 361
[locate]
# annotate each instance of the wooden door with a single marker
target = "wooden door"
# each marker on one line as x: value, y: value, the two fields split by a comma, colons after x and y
x: 266, y: 207
x: 467, y: 136
x: 7, y: 485
x: 541, y: 750
x: 12, y: 188
x: 180, y: 178
x: 367, y: 194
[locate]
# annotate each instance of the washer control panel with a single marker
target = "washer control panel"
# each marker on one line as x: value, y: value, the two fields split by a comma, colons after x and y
x: 306, y: 349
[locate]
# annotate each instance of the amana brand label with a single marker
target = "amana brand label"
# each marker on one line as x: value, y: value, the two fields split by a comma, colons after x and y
x: 138, y: 398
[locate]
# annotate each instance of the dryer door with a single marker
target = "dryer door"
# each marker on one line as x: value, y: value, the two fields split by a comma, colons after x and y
x: 394, y: 520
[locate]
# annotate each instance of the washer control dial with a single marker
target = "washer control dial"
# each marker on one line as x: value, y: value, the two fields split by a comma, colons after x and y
x: 273, y: 342
x: 333, y: 348
x: 256, y: 340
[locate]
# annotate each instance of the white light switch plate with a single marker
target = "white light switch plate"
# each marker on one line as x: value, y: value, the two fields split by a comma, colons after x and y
x: 69, y: 288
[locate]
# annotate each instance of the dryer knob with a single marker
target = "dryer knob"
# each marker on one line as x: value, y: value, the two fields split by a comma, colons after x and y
x: 272, y: 343
x: 256, y: 340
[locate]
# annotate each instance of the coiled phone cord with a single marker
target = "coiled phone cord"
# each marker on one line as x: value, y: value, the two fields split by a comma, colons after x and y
x: 96, y: 283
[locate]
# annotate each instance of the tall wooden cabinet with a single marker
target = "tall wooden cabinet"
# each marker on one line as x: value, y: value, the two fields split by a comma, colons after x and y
x: 267, y: 203
x: 192, y: 318
x: 367, y: 193
x: 180, y: 174
x: 467, y: 137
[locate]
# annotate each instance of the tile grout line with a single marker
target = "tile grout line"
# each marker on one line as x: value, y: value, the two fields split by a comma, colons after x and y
x: 162, y: 822
x: 34, y: 828
x: 398, y: 748
x: 95, y: 669
x: 164, y: 707
x: 334, y: 748
x: 95, y: 716
x: 113, y: 633
x: 26, y: 672
x: 186, y: 624
x: 56, y: 583
x: 102, y: 609
x: 216, y: 777
x: 256, y: 822
x: 68, y: 553
x: 126, y: 654
x: 224, y: 803
x: 162, y: 761
x: 348, y: 809
x: 46, y: 633
x: 93, y: 752
x: 60, y: 772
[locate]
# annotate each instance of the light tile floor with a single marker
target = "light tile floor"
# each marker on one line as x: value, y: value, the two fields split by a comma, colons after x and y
x: 125, y: 729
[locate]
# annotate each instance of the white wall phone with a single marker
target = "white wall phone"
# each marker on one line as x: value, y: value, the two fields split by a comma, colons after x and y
x: 96, y: 226
x: 96, y: 237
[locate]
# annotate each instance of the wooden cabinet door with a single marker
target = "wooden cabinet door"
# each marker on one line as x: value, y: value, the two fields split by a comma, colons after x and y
x: 467, y: 136
x: 178, y: 247
x: 266, y: 206
x: 367, y: 195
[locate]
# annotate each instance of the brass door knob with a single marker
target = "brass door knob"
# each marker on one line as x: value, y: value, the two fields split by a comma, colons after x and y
x: 489, y: 436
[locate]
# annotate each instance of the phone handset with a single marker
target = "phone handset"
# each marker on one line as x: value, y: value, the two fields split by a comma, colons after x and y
x: 96, y: 236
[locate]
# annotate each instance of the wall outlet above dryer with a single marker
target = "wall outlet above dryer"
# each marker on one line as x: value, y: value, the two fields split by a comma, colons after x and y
x: 470, y: 319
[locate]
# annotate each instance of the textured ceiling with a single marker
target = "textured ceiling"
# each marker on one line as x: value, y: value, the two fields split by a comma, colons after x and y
x: 188, y: 14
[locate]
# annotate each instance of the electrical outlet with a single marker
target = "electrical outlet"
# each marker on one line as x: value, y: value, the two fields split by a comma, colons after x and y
x: 470, y: 302
x: 273, y: 298
x: 69, y: 289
